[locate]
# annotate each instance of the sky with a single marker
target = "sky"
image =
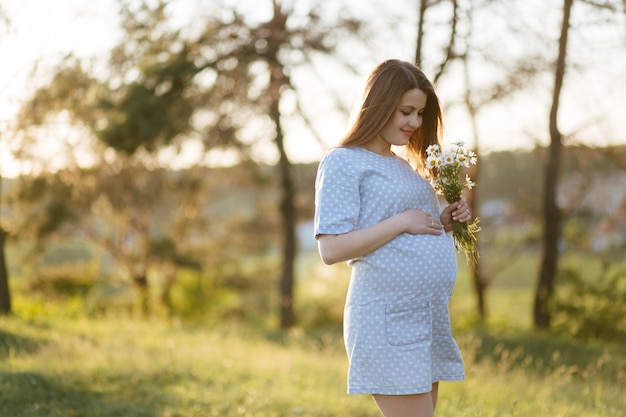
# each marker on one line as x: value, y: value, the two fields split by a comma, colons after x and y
x: 48, y: 30
x: 43, y: 31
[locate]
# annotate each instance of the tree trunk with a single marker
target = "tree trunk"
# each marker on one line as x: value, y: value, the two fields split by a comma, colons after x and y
x: 479, y: 280
x: 278, y: 81
x: 287, y: 210
x: 170, y: 272
x: 140, y: 281
x: 287, y: 318
x: 5, y: 294
x: 552, y: 216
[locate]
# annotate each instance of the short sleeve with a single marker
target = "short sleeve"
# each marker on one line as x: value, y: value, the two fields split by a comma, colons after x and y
x: 337, y: 196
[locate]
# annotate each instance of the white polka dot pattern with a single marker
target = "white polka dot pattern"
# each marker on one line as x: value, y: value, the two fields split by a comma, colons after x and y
x: 396, y: 320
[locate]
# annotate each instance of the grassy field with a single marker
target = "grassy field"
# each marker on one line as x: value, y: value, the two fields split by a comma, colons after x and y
x: 139, y: 368
x: 55, y: 364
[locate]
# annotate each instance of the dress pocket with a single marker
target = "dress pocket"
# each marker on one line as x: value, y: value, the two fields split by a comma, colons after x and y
x: 408, y: 322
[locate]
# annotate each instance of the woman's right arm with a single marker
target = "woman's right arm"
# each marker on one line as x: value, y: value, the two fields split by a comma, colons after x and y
x: 360, y: 242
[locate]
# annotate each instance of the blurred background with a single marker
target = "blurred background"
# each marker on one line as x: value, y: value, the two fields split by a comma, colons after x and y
x: 157, y: 168
x: 158, y: 159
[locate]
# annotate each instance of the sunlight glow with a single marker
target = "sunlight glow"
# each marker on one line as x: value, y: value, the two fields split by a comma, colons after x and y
x: 42, y: 33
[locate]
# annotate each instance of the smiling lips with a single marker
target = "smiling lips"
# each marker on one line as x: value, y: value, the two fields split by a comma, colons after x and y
x: 407, y: 133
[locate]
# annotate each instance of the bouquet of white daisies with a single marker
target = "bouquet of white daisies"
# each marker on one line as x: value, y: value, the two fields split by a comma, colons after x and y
x: 447, y: 167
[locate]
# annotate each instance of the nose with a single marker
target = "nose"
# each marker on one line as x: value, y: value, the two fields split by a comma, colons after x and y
x: 415, y: 121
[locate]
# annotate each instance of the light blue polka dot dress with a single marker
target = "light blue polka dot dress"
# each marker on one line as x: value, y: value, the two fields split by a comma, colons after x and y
x: 396, y: 320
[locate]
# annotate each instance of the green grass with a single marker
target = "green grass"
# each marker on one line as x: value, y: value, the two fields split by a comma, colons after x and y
x: 127, y: 367
x: 138, y: 368
x: 55, y: 362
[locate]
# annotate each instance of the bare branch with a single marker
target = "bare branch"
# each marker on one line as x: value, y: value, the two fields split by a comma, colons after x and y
x: 605, y: 5
x: 449, y: 55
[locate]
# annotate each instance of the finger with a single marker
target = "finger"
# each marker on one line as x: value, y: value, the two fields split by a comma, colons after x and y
x: 462, y: 206
x: 458, y: 214
x: 432, y: 231
x: 431, y: 223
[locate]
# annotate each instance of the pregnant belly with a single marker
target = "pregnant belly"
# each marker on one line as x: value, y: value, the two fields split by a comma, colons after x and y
x: 409, y: 264
x: 422, y: 250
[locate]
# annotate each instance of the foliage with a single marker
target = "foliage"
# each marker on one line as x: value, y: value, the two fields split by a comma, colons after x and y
x: 592, y: 306
x: 63, y: 281
x: 513, y: 176
x: 160, y: 219
x: 151, y: 109
x: 214, y: 84
x: 217, y: 85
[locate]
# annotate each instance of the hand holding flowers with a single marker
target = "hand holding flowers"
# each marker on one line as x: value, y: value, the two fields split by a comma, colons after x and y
x: 446, y: 167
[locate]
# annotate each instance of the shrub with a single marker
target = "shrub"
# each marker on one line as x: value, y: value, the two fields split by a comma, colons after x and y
x: 62, y: 281
x: 592, y: 307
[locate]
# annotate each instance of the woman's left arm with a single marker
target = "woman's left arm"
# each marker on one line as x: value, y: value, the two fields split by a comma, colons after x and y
x: 455, y: 212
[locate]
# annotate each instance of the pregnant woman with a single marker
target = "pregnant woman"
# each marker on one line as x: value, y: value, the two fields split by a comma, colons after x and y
x: 377, y: 211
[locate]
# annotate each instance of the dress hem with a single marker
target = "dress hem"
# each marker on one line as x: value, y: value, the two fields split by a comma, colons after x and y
x: 404, y: 391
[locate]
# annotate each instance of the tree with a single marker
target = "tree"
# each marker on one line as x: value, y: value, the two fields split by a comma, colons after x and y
x: 449, y: 49
x: 279, y: 81
x: 551, y: 213
x: 450, y: 54
x: 508, y: 75
x: 5, y: 294
x: 168, y: 86
x: 276, y: 43
x: 479, y: 277
x: 145, y: 105
x: 517, y: 75
x: 552, y: 217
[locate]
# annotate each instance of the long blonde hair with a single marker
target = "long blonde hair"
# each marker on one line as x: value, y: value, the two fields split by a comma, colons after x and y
x: 384, y: 87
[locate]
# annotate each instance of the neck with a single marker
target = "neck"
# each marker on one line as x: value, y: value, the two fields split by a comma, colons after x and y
x: 384, y: 151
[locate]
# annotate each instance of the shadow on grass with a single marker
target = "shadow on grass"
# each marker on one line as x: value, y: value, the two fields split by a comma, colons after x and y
x: 545, y: 353
x: 35, y: 395
x: 15, y: 345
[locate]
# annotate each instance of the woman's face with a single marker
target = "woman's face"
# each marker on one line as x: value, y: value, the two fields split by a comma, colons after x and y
x: 406, y: 118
